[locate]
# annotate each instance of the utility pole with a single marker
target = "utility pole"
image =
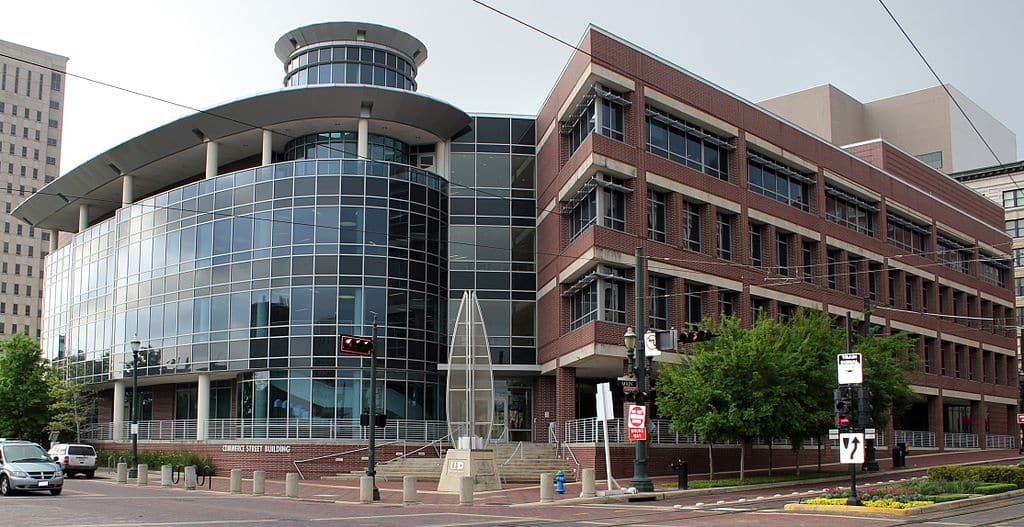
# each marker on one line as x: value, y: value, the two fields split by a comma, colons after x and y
x: 371, y: 469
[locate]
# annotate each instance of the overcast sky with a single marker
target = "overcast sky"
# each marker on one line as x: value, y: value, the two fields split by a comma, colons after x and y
x: 201, y: 53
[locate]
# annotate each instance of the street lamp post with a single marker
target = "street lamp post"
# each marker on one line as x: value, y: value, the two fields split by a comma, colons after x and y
x: 641, y: 481
x: 133, y: 415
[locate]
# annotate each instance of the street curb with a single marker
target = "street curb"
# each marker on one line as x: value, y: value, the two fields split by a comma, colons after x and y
x: 662, y: 495
x: 936, y: 507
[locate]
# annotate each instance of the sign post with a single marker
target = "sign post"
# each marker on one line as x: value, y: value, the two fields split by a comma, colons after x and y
x: 605, y: 411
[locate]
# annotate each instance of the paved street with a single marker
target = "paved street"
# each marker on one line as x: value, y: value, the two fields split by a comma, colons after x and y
x: 104, y: 503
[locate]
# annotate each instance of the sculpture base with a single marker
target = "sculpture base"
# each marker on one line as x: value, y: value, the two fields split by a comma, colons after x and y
x: 477, y: 464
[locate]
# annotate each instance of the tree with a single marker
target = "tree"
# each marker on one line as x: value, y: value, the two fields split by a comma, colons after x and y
x: 24, y: 389
x: 888, y: 363
x: 735, y: 386
x: 72, y: 403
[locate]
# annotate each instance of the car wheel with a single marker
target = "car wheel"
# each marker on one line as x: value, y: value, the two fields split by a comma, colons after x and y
x: 5, y: 486
x: 90, y: 474
x: 56, y: 491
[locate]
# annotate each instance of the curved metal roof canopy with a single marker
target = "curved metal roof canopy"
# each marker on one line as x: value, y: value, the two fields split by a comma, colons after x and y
x: 175, y: 152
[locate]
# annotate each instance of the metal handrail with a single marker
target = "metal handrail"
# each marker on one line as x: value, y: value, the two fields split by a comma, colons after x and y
x: 433, y: 443
x: 575, y: 471
x: 519, y: 448
x: 367, y: 447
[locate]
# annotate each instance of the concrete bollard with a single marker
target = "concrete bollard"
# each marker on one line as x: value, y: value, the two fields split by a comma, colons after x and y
x: 122, y: 472
x: 259, y: 482
x: 143, y: 475
x: 291, y: 485
x: 408, y: 490
x: 236, y: 481
x: 466, y: 490
x: 589, y: 487
x: 547, y: 489
x: 166, y: 473
x: 365, y: 489
x: 191, y: 478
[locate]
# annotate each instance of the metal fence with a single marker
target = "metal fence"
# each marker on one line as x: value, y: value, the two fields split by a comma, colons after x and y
x: 276, y: 428
x: 1000, y: 441
x: 915, y: 438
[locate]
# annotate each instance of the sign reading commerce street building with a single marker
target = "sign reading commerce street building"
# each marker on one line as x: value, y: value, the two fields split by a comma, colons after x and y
x: 264, y: 449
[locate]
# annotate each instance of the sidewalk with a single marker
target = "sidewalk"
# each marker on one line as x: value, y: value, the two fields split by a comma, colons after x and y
x: 347, y: 491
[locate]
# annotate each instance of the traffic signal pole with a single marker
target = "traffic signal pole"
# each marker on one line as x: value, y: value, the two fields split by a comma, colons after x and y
x: 371, y: 469
x: 853, y: 499
x: 641, y: 481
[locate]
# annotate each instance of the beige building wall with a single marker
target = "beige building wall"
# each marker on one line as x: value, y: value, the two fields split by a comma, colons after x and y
x: 31, y: 116
x: 920, y: 122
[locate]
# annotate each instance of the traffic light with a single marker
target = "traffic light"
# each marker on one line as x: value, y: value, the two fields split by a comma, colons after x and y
x: 699, y: 335
x: 843, y: 407
x: 356, y: 345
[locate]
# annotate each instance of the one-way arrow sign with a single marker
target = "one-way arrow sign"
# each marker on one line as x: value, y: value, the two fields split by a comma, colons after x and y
x: 851, y: 448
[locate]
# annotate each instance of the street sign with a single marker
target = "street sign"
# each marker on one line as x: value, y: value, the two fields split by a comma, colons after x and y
x: 1020, y: 419
x: 851, y: 368
x: 851, y: 448
x: 651, y: 344
x: 605, y: 410
x: 833, y: 433
x: 637, y: 421
x: 869, y: 433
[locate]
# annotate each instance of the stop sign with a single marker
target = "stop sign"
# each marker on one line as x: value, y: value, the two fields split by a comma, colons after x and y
x: 637, y: 416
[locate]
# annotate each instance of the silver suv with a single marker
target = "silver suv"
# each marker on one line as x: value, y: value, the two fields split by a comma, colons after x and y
x: 26, y: 466
x: 74, y: 459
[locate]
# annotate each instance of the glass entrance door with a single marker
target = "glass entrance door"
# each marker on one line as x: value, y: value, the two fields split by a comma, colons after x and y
x: 519, y: 420
x: 499, y: 426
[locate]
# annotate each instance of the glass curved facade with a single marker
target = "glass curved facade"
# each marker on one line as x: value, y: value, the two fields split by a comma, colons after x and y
x: 258, y: 272
x: 350, y: 64
x: 328, y: 145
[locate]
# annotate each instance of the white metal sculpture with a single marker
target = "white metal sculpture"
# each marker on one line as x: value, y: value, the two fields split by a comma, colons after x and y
x: 470, y: 401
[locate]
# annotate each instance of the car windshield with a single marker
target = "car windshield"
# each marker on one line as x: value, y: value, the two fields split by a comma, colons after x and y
x: 22, y: 453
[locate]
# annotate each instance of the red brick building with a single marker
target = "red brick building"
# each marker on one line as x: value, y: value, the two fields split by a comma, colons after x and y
x: 738, y: 210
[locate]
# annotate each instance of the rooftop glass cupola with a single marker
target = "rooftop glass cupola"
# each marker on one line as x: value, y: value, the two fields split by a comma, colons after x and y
x: 350, y: 53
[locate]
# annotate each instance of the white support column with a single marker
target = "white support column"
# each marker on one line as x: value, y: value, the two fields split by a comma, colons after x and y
x: 268, y: 147
x: 127, y: 190
x: 53, y: 240
x: 83, y: 217
x: 363, y: 139
x: 441, y: 159
x: 211, y: 159
x: 203, y: 409
x: 118, y: 423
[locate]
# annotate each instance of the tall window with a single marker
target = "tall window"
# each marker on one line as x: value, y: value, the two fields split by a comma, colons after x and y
x: 1018, y: 257
x: 908, y: 292
x: 601, y: 110
x: 694, y: 305
x: 873, y: 270
x: 691, y: 226
x: 1013, y: 198
x: 779, y: 182
x: 953, y: 254
x: 850, y: 211
x: 600, y: 295
x: 756, y: 249
x: 724, y: 236
x: 656, y: 215
x: 599, y: 202
x: 727, y: 302
x: 853, y: 270
x: 782, y: 252
x: 808, y: 261
x: 833, y: 269
x: 992, y: 271
x: 905, y: 234
x: 657, y: 291
x: 687, y: 144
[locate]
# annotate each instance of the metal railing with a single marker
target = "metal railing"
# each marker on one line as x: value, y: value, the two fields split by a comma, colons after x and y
x: 1000, y: 441
x: 915, y: 438
x: 271, y: 428
x: 953, y: 440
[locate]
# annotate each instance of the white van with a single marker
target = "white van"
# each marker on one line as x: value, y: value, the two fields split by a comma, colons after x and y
x: 74, y: 458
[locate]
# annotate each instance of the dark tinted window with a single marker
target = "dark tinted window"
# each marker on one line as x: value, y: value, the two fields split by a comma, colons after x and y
x: 492, y: 130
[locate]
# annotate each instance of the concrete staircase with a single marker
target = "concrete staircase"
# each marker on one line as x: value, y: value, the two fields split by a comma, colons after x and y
x: 517, y: 464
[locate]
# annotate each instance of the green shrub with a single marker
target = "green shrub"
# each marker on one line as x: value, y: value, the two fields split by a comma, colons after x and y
x: 984, y: 474
x: 935, y: 487
x: 154, y: 459
x: 995, y: 488
x: 947, y: 497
